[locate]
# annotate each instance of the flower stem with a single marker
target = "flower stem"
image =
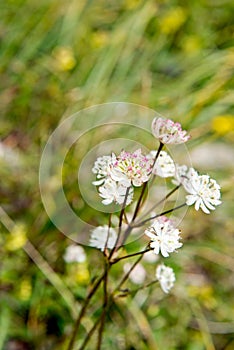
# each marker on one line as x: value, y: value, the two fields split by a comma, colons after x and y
x: 161, y: 201
x: 104, y: 307
x: 129, y: 292
x: 121, y: 216
x: 130, y: 255
x: 89, y: 335
x: 138, y: 205
x: 83, y: 310
x: 160, y: 214
x: 125, y: 277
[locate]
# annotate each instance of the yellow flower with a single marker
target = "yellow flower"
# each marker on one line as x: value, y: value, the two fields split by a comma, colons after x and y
x: 17, y: 238
x: 131, y: 4
x: 25, y: 289
x: 173, y: 20
x: 64, y: 57
x: 191, y: 44
x: 99, y: 38
x: 223, y: 124
x: 82, y: 274
x: 204, y: 294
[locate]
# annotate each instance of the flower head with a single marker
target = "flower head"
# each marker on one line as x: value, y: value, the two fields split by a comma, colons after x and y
x: 168, y: 132
x: 103, y: 236
x: 183, y: 175
x: 112, y: 191
x: 166, y: 277
x: 74, y: 253
x: 164, y: 166
x: 131, y: 168
x: 102, y: 168
x: 164, y: 236
x: 203, y: 191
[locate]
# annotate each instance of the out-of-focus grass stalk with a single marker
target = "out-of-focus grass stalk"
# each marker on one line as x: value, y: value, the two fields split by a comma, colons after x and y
x: 45, y: 268
x: 203, y: 325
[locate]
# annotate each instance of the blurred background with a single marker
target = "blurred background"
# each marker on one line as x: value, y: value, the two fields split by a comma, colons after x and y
x: 57, y: 58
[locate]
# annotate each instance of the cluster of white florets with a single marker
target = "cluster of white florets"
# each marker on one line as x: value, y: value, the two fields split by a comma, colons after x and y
x: 118, y: 175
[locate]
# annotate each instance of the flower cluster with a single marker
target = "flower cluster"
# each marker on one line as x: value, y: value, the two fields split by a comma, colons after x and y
x: 103, y: 237
x: 164, y: 236
x: 203, y: 191
x: 164, y: 167
x: 168, y: 132
x: 118, y: 175
x: 166, y: 277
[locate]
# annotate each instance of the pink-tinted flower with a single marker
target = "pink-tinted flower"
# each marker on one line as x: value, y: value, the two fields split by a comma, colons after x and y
x: 131, y: 168
x: 168, y: 132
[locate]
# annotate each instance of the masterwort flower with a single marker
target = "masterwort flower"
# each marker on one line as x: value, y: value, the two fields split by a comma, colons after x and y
x: 183, y: 175
x: 102, y: 168
x: 168, y: 132
x: 164, y: 167
x: 164, y: 236
x: 131, y: 168
x: 103, y: 236
x: 112, y: 191
x: 74, y: 253
x: 166, y: 277
x: 203, y: 191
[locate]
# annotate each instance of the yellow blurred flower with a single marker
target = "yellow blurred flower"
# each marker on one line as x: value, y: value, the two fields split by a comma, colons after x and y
x: 173, y: 20
x: 77, y: 274
x: 205, y: 294
x: 131, y: 4
x: 65, y: 59
x: 25, y: 289
x: 223, y: 124
x: 191, y: 44
x: 17, y: 238
x: 82, y: 274
x: 99, y: 38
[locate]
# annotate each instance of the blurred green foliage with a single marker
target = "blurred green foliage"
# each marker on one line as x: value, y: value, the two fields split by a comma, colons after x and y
x: 58, y: 57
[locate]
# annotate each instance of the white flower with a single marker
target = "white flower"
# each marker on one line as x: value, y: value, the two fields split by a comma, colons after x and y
x: 111, y: 191
x: 183, y: 175
x: 103, y: 236
x: 203, y: 191
x: 166, y: 277
x: 164, y: 166
x: 131, y: 168
x: 164, y: 236
x: 137, y: 275
x: 168, y: 132
x: 102, y: 168
x: 74, y: 253
x: 150, y: 257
